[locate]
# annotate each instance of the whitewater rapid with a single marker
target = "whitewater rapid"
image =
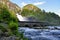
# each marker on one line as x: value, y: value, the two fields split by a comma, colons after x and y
x: 40, y: 34
x: 21, y: 18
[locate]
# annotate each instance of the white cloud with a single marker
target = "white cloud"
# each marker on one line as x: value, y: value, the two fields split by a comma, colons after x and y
x: 39, y: 3
x: 23, y: 4
x: 36, y: 3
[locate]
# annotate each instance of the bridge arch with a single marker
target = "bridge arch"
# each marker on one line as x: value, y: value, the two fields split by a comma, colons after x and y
x: 35, y: 25
x: 26, y: 25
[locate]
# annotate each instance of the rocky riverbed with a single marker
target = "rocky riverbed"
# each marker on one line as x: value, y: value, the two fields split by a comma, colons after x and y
x: 6, y: 36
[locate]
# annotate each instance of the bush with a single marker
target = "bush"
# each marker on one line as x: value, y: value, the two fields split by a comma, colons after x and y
x: 2, y: 28
x: 13, y: 27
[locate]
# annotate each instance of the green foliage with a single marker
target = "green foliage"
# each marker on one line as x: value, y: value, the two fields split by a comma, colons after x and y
x: 13, y: 27
x: 4, y: 15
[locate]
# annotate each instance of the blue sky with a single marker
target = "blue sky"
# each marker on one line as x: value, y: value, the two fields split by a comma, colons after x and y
x: 47, y: 5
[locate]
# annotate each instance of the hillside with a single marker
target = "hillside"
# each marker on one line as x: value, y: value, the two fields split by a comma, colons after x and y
x: 31, y: 11
x: 9, y: 24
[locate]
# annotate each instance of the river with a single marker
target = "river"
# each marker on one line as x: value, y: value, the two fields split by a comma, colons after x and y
x: 40, y: 34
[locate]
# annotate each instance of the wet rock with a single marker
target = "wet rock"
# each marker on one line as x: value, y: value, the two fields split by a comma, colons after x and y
x: 6, y: 36
x: 9, y: 38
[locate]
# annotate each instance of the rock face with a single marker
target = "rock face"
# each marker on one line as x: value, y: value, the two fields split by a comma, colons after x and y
x: 11, y: 6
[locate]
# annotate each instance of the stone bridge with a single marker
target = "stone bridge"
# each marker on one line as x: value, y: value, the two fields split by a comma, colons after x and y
x: 32, y: 24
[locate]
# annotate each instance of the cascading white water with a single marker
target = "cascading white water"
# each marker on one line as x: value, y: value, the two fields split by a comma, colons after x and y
x: 21, y: 18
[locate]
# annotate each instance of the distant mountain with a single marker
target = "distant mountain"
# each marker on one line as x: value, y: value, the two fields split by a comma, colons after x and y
x: 30, y: 9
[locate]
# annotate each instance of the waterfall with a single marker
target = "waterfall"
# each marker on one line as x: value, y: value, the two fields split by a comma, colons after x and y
x: 21, y: 18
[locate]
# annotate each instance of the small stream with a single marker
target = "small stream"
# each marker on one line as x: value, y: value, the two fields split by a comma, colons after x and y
x: 40, y: 34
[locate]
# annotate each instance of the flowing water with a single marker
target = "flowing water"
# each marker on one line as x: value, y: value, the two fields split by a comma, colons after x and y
x: 21, y: 18
x: 40, y: 34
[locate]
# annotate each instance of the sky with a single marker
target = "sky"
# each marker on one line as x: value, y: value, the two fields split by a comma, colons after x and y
x: 47, y: 5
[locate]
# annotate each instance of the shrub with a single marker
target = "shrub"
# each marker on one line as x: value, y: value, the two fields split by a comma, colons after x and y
x: 13, y: 27
x: 2, y: 28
